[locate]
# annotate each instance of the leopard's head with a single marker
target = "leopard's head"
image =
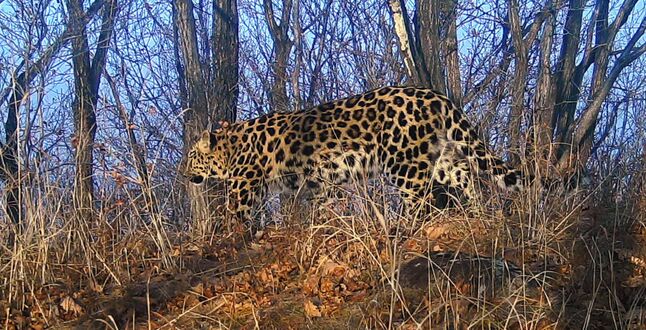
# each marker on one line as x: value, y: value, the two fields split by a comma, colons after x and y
x: 207, y: 158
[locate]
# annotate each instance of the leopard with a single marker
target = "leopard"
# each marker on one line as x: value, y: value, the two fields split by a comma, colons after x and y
x: 416, y: 137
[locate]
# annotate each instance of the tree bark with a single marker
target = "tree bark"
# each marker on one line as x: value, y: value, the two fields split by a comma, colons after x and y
x: 453, y: 77
x: 518, y: 82
x: 225, y: 59
x: 568, y: 84
x: 210, y: 84
x: 282, y: 48
x: 427, y: 30
x: 405, y: 38
x: 196, y: 116
x: 87, y: 77
x: 419, y: 42
x: 544, y: 95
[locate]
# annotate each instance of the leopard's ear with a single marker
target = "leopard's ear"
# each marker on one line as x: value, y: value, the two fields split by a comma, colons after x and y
x: 206, y: 142
x: 206, y: 135
x: 222, y: 125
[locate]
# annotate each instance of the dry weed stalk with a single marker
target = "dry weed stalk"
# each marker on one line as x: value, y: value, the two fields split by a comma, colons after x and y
x: 504, y: 261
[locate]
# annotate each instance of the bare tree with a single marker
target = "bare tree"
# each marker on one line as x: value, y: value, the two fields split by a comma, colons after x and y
x: 20, y: 84
x: 87, y: 78
x: 193, y: 94
x: 521, y: 45
x: 603, y: 80
x: 560, y: 94
x: 580, y: 77
x: 208, y: 82
x: 224, y: 91
x: 282, y: 48
x: 431, y: 37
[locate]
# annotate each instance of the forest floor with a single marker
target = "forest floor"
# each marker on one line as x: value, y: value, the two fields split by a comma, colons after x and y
x: 453, y: 271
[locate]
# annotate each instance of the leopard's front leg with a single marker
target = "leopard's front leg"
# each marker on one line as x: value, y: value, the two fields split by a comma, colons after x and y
x: 245, y: 196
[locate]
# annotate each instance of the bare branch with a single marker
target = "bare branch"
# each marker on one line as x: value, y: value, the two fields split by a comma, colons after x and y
x: 107, y: 27
x: 621, y: 18
x: 404, y: 34
x: 587, y: 122
x: 27, y: 76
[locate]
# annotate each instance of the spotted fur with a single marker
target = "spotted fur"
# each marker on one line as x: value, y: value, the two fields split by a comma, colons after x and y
x: 417, y: 137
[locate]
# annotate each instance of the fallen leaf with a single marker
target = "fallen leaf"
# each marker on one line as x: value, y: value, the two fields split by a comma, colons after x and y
x: 435, y: 231
x: 332, y: 268
x: 311, y: 310
x: 311, y: 285
x: 70, y: 306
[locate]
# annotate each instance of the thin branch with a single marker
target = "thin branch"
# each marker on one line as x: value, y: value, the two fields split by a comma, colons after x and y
x: 107, y: 28
x: 629, y: 54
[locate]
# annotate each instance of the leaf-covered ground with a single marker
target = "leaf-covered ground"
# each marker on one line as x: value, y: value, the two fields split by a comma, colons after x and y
x: 454, y: 271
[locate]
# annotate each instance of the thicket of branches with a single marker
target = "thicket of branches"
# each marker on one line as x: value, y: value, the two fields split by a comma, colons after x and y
x: 101, y: 98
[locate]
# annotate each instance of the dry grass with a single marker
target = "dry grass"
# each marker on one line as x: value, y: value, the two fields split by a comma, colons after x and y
x: 540, y: 260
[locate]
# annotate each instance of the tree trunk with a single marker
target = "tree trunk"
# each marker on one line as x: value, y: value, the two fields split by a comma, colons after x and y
x: 599, y: 71
x: 427, y: 31
x: 225, y: 59
x: 406, y: 39
x: 225, y: 62
x: 10, y: 173
x: 568, y: 84
x: 208, y: 99
x: 518, y: 82
x: 87, y: 77
x: 544, y: 96
x: 453, y: 77
x: 196, y: 115
x: 278, y: 99
x: 282, y: 48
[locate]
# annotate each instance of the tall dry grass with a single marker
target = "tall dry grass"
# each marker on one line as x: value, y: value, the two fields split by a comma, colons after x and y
x: 551, y: 256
